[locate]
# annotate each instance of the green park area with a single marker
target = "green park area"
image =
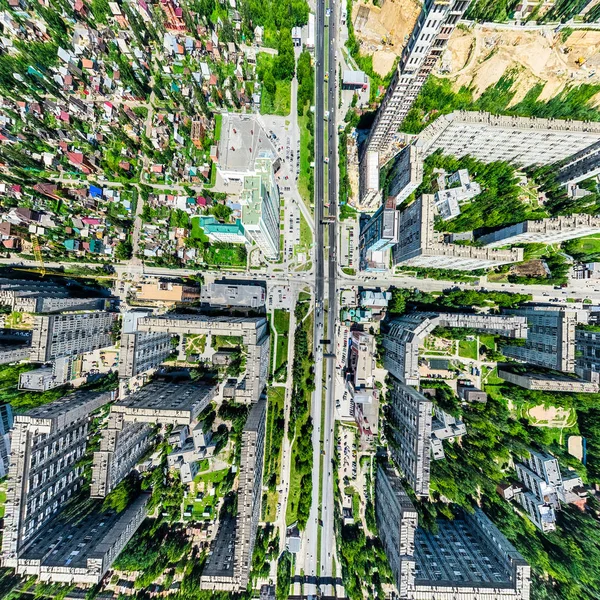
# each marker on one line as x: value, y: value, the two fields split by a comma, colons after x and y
x: 281, y: 324
x: 273, y: 449
x: 195, y: 344
x: 468, y: 349
x: 225, y: 255
x: 300, y: 425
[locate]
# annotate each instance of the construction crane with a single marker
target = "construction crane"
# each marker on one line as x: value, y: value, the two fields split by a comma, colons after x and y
x: 37, y: 252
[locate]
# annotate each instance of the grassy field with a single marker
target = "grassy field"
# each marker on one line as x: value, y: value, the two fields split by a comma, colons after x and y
x: 488, y: 341
x: 195, y: 344
x: 218, y: 123
x: 2, y: 502
x: 281, y: 323
x: 280, y: 103
x: 234, y: 256
x: 197, y: 232
x: 211, y: 477
x: 226, y: 341
x: 587, y: 245
x: 467, y: 349
x: 306, y: 141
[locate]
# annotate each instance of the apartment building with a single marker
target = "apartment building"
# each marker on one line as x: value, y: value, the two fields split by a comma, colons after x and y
x: 548, y: 381
x: 129, y: 433
x: 254, y: 332
x: 545, y: 487
x: 260, y: 208
x: 421, y: 246
x: 406, y: 334
x: 467, y: 558
x: 6, y: 423
x: 406, y: 174
x: 426, y: 44
x: 555, y: 230
x: 550, y: 337
x: 409, y: 434
x: 141, y: 351
x: 521, y: 141
x: 44, y: 475
x: 587, y: 354
x: 582, y: 165
x: 379, y: 234
x: 228, y: 567
x: 14, y: 346
x: 24, y: 295
x: 55, y: 336
x: 47, y: 378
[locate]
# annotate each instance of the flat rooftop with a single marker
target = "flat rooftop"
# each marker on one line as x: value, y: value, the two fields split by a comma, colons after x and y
x: 243, y: 140
x: 456, y: 554
x: 221, y: 562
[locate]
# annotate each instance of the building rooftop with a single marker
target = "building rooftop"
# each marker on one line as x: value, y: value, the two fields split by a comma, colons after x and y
x: 242, y: 141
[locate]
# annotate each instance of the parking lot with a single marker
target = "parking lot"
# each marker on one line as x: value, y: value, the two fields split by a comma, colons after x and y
x: 279, y: 296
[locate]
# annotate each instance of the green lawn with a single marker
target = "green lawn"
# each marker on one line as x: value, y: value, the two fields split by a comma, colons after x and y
x: 587, y: 245
x: 211, y: 477
x: 197, y: 231
x: 280, y: 103
x: 488, y: 340
x: 195, y: 344
x: 233, y: 255
x: 467, y: 349
x: 2, y: 502
x: 281, y: 321
x: 226, y: 341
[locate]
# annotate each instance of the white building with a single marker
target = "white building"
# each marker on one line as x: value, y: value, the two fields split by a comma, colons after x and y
x: 261, y: 208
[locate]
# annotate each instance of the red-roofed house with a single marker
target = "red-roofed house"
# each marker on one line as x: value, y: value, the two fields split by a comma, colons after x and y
x: 79, y: 161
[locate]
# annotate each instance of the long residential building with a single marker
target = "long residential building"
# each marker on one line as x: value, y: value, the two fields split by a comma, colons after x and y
x: 550, y: 337
x: 24, y: 295
x: 55, y: 336
x: 582, y: 165
x: 141, y: 351
x: 420, y: 245
x: 522, y: 141
x: 45, y: 476
x: 254, y: 332
x: 426, y: 44
x: 587, y: 353
x: 6, y: 423
x: 555, y: 230
x: 228, y: 567
x: 468, y: 558
x: 128, y: 434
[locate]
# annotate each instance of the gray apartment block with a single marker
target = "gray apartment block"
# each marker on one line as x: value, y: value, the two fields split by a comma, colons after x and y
x: 55, y: 336
x: 557, y: 229
x: 521, y: 141
x: 129, y: 434
x: 467, y: 559
x: 46, y: 444
x: 587, y: 355
x: 43, y: 297
x: 406, y: 174
x: 409, y: 437
x: 420, y: 244
x: 6, y: 423
x: 226, y: 570
x: 141, y: 352
x: 233, y: 295
x: 82, y: 550
x: 47, y: 378
x: 422, y: 51
x: 253, y: 331
x: 14, y: 348
x: 580, y: 166
x: 548, y: 382
x: 406, y: 334
x: 401, y: 344
x: 550, y: 337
